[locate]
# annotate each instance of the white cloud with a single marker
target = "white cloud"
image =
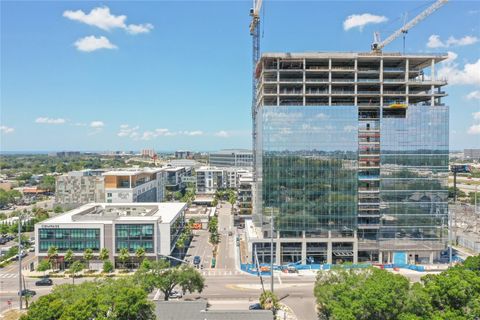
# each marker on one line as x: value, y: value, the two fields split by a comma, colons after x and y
x: 102, y: 18
x: 434, y: 41
x: 97, y: 124
x: 361, y: 20
x: 222, y: 134
x: 475, y: 129
x: 476, y: 115
x: 139, y: 28
x: 474, y: 95
x: 470, y: 74
x: 192, y: 133
x: 6, y: 130
x: 46, y: 120
x: 127, y: 131
x: 92, y: 43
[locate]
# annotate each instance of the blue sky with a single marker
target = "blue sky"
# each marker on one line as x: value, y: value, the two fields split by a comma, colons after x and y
x: 176, y: 75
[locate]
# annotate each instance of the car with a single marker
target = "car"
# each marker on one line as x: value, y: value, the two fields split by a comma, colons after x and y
x: 196, y: 260
x: 44, y: 282
x: 27, y: 292
x: 255, y: 306
x: 175, y: 295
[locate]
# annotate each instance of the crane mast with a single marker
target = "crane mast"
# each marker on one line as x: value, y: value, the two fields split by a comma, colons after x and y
x: 378, y: 45
x: 255, y: 33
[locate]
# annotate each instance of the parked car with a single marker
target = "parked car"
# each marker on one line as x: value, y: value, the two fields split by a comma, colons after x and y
x: 175, y: 295
x: 27, y: 292
x: 44, y: 282
x: 255, y: 306
x: 196, y: 260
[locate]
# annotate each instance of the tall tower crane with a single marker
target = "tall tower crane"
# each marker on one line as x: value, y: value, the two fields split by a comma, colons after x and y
x: 378, y: 45
x: 255, y: 33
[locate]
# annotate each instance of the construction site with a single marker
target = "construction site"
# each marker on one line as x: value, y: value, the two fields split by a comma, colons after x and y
x: 350, y: 155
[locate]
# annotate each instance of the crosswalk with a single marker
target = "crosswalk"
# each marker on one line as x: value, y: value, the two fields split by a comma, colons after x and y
x: 210, y: 273
x: 8, y: 275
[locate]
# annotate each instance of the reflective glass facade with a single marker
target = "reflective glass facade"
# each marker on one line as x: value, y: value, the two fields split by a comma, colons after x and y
x: 64, y: 239
x: 414, y: 179
x: 134, y: 236
x: 307, y: 168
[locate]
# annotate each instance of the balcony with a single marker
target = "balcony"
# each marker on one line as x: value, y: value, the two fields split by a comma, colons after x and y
x: 368, y: 177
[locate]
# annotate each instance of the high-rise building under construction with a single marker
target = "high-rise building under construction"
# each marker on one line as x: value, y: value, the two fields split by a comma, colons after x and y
x: 351, y: 158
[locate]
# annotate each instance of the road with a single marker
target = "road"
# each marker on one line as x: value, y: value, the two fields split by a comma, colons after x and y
x: 226, y: 253
x: 200, y: 247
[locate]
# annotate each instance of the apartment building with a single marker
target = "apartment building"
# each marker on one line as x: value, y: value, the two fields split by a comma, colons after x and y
x: 351, y: 154
x: 210, y: 179
x: 175, y: 177
x: 79, y: 187
x: 135, y: 185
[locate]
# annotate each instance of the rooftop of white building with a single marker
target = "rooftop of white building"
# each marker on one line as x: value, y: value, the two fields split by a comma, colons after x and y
x: 132, y: 171
x: 164, y: 212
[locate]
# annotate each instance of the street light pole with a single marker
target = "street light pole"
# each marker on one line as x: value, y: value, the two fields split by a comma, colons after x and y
x: 271, y: 250
x: 20, y: 259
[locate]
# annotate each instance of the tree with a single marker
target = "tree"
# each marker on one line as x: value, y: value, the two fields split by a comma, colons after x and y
x: 43, y: 266
x: 123, y: 256
x: 140, y: 254
x: 87, y: 256
x: 107, y: 299
x: 104, y: 254
x: 58, y: 209
x: 52, y: 255
x: 68, y: 258
x: 48, y: 183
x: 76, y: 267
x: 186, y: 277
x: 269, y: 301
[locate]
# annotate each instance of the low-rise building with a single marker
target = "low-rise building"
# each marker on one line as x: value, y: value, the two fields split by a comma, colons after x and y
x: 151, y: 226
x: 135, y: 185
x: 473, y: 154
x: 231, y: 158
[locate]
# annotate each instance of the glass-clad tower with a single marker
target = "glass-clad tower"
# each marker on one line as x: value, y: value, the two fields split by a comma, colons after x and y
x: 351, y: 158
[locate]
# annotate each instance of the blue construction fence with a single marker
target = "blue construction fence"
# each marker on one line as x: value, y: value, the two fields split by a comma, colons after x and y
x: 252, y: 269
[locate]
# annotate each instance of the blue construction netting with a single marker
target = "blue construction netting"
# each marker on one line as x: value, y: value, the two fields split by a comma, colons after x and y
x: 251, y: 268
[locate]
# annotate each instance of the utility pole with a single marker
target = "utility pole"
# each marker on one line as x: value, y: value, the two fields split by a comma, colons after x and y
x: 20, y: 259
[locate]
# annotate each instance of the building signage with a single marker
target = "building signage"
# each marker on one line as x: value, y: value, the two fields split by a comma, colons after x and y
x: 50, y: 226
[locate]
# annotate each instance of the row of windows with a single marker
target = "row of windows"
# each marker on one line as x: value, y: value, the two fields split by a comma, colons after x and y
x: 65, y: 245
x: 133, y: 245
x: 134, y: 231
x: 69, y: 233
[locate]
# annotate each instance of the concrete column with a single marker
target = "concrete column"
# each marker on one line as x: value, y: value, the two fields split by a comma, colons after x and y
x: 329, y: 82
x: 355, y: 247
x: 433, y: 75
x: 380, y: 257
x: 355, y: 81
x: 389, y: 257
x: 407, y: 88
x: 304, y: 80
x: 431, y: 257
x: 329, y: 251
x: 304, y: 251
x: 381, y: 82
x: 277, y: 253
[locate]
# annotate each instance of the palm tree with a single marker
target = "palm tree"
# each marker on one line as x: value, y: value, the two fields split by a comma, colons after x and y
x: 68, y: 257
x: 52, y: 255
x: 124, y: 256
x: 87, y: 256
x: 77, y: 266
x: 140, y: 254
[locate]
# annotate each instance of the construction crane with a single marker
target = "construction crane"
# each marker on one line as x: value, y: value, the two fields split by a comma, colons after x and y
x: 255, y: 33
x: 378, y: 45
